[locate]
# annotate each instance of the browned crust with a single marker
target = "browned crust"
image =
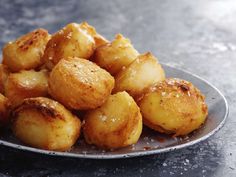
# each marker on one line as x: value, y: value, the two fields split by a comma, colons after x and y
x: 45, y: 106
x: 173, y: 84
x: 31, y: 39
x: 17, y: 53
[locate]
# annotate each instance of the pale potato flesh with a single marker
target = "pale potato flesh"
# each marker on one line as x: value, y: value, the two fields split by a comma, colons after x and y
x: 74, y: 40
x: 140, y: 74
x: 173, y: 106
x: 26, y: 84
x: 26, y: 51
x: 80, y: 84
x: 46, y: 124
x: 117, y: 123
x: 115, y: 55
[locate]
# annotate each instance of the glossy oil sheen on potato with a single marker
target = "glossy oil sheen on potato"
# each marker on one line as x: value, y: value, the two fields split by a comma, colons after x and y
x: 115, y: 55
x: 117, y: 123
x: 80, y: 84
x: 46, y: 124
x: 98, y: 39
x: 26, y: 84
x: 173, y: 106
x: 26, y: 51
x: 140, y: 74
x: 74, y: 40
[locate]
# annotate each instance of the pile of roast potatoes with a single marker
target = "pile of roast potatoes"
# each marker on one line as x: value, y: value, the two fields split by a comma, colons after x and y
x: 56, y: 89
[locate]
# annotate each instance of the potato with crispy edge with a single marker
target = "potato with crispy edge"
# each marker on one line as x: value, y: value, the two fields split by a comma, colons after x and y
x: 4, y: 110
x: 44, y: 123
x: 74, y: 40
x: 26, y: 51
x: 140, y: 74
x: 98, y: 39
x: 115, y: 55
x: 173, y: 106
x: 80, y: 84
x: 117, y: 123
x: 26, y: 84
x: 4, y: 72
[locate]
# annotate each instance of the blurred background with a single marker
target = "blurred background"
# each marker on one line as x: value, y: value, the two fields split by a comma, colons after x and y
x: 199, y: 36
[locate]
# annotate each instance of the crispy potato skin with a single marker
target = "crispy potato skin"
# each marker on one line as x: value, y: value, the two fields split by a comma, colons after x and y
x: 26, y: 52
x: 4, y: 72
x: 26, y: 84
x: 115, y: 55
x: 44, y: 123
x: 98, y: 39
x: 140, y: 74
x: 4, y: 110
x: 117, y: 123
x: 80, y: 84
x: 74, y: 40
x: 173, y: 106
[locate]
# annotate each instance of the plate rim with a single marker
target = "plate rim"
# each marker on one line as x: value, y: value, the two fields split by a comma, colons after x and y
x: 130, y: 154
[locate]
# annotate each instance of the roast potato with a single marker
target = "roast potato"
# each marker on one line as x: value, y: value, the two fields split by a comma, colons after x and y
x: 26, y: 84
x: 44, y: 123
x: 117, y: 123
x: 173, y: 106
x: 116, y: 55
x: 143, y: 72
x: 26, y: 51
x: 4, y: 72
x: 4, y: 110
x: 80, y: 84
x: 98, y: 39
x: 73, y: 40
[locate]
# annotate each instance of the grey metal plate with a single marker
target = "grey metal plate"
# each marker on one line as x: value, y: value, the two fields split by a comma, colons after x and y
x: 150, y: 142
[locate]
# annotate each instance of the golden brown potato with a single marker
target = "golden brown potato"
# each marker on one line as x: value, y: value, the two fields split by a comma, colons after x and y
x: 73, y: 40
x: 140, y: 74
x: 116, y: 55
x: 173, y: 106
x: 4, y: 110
x: 98, y: 39
x: 26, y: 84
x: 117, y: 123
x: 44, y: 123
x: 80, y: 84
x: 4, y: 72
x: 26, y: 51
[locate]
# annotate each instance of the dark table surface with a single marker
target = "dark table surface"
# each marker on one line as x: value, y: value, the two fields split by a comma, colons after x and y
x: 199, y: 36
